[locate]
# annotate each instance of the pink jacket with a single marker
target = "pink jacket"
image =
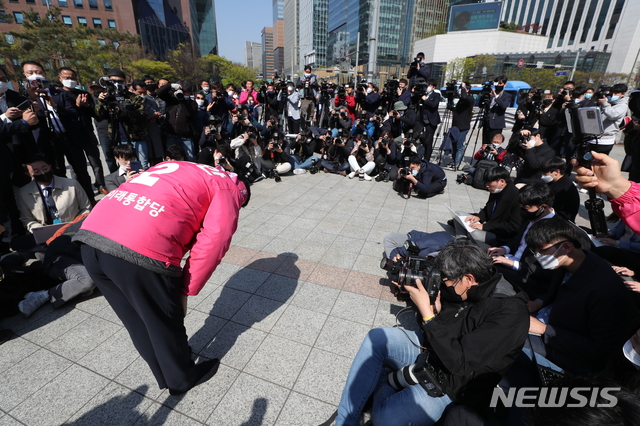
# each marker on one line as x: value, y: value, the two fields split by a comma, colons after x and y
x: 170, y: 209
x: 244, y: 96
x: 627, y: 207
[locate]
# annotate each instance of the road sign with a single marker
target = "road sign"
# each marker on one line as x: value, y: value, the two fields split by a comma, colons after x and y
x: 561, y: 73
x: 520, y: 63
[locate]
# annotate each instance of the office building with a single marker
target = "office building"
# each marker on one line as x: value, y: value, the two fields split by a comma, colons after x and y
x: 267, y: 52
x: 313, y: 18
x: 253, y: 55
x: 202, y: 24
x: 291, y: 34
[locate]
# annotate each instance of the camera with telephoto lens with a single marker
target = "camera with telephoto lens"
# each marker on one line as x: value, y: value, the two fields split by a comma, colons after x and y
x: 383, y: 176
x: 489, y: 148
x: 219, y: 95
x: 404, y: 172
x: 486, y: 88
x: 313, y: 168
x: 451, y: 91
x: 341, y: 92
x: 179, y: 95
x: 603, y: 92
x: 114, y: 89
x: 426, y: 372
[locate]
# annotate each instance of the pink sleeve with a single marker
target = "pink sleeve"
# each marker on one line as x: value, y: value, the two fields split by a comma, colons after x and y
x: 627, y: 207
x: 243, y: 97
x: 213, y: 241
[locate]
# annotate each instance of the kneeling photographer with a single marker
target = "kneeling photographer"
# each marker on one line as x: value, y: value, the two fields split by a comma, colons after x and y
x: 247, y: 153
x: 275, y: 161
x: 361, y: 159
x: 302, y: 150
x: 427, y: 179
x: 335, y: 154
x: 386, y: 158
x: 469, y: 336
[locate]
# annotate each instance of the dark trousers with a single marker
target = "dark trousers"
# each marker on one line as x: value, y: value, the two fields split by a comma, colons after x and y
x: 488, y: 133
x: 149, y: 305
x: 427, y: 140
x: 434, y: 189
x: 90, y: 146
x: 63, y: 146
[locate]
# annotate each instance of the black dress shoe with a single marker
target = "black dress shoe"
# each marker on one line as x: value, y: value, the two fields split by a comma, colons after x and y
x: 205, y: 370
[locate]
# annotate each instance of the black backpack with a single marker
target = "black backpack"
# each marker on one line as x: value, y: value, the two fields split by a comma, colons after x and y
x: 481, y: 168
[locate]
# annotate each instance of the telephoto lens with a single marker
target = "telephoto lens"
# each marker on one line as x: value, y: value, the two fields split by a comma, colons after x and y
x: 402, y: 378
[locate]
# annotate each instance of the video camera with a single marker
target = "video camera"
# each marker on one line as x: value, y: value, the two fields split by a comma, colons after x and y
x: 405, y: 271
x: 603, y: 92
x: 115, y: 89
x: 451, y: 92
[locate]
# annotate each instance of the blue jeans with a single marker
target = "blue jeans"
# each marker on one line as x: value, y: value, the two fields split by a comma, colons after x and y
x: 185, y: 143
x: 141, y: 153
x: 458, y: 147
x: 385, y: 350
x: 297, y: 164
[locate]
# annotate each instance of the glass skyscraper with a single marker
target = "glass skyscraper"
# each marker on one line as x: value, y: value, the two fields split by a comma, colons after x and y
x: 203, y: 27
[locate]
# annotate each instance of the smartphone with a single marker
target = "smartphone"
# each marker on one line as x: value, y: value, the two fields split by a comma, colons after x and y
x: 135, y: 165
x: 24, y: 105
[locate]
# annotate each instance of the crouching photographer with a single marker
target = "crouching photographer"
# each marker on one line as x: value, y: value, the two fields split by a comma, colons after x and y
x: 470, y: 335
x: 386, y: 158
x: 302, y: 149
x: 275, y: 161
x: 335, y: 154
x: 247, y: 153
x: 427, y: 179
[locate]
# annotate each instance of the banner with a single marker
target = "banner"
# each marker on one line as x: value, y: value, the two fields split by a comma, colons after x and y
x: 479, y: 16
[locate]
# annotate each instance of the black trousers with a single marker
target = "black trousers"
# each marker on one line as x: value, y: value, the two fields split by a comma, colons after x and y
x: 488, y: 133
x: 150, y: 307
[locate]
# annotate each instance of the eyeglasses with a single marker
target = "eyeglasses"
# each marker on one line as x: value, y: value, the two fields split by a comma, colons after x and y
x: 557, y: 245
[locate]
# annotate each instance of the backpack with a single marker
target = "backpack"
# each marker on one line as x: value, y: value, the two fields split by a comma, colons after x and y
x: 481, y: 168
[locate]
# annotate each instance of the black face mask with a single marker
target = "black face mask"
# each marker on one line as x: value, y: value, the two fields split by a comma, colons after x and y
x: 44, y: 177
x: 152, y: 87
x: 448, y: 294
x: 499, y: 89
x: 547, y: 102
x: 527, y: 215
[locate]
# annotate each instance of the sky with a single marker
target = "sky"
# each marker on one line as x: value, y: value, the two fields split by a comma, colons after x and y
x: 240, y: 21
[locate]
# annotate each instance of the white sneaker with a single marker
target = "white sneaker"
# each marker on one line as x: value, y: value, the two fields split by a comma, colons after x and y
x: 367, y: 177
x: 352, y: 175
x: 33, y: 301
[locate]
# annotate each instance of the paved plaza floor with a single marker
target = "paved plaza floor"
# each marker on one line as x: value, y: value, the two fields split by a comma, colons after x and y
x: 285, y: 312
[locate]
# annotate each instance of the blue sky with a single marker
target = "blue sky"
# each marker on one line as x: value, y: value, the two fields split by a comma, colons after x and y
x: 240, y: 21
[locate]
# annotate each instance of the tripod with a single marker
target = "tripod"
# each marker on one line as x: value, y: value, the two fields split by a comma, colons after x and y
x: 479, y: 116
x: 448, y: 113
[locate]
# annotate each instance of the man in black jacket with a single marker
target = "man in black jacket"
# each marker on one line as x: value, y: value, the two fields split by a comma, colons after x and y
x: 426, y: 178
x: 478, y: 332
x: 566, y: 200
x: 534, y: 151
x: 428, y: 118
x: 494, y: 114
x: 181, y: 113
x: 587, y: 312
x: 499, y: 220
x: 462, y: 113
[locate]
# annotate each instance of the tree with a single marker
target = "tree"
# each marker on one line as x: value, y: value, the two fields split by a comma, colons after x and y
x: 219, y: 68
x: 157, y: 69
x: 184, y: 62
x: 460, y: 69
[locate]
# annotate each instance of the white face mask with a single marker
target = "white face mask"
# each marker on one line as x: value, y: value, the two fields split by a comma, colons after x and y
x: 531, y: 143
x: 235, y: 96
x: 289, y: 89
x: 414, y: 173
x: 230, y: 92
x: 429, y: 89
x: 3, y: 87
x: 631, y: 354
x: 70, y: 84
x: 200, y: 102
x: 307, y: 74
x: 547, y: 178
x: 549, y: 261
x: 497, y: 190
x: 369, y: 90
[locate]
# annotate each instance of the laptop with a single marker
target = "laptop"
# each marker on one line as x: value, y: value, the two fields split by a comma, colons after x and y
x: 43, y: 233
x: 462, y: 228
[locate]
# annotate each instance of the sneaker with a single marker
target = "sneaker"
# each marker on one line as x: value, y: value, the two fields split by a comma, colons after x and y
x: 299, y: 171
x: 342, y: 173
x: 451, y: 166
x: 352, y: 175
x: 33, y: 301
x: 366, y: 176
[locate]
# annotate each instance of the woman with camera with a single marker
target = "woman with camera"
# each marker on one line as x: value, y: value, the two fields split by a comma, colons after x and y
x: 361, y: 159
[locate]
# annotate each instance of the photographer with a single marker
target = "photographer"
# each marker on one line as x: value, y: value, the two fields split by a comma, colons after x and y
x: 268, y: 97
x: 179, y: 126
x: 308, y: 85
x: 247, y: 148
x: 214, y: 134
x: 394, y: 121
x: 371, y: 99
x: 361, y: 159
x: 534, y: 151
x: 302, y: 150
x: 493, y: 119
x: 386, y: 158
x: 339, y: 122
x: 461, y: 118
x: 249, y: 97
x: 428, y: 117
x: 292, y: 99
x: 613, y: 108
x: 363, y: 126
x: 275, y: 159
x: 241, y: 122
x: 335, y: 154
x: 426, y: 178
x: 156, y: 109
x: 473, y: 333
x: 220, y: 156
x: 346, y: 97
x: 221, y: 104
x: 404, y: 94
x: 418, y: 69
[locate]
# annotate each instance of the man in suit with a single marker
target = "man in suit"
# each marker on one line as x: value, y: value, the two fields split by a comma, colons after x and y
x: 47, y: 200
x: 566, y: 200
x: 493, y: 121
x: 430, y: 117
x: 123, y: 155
x: 499, y: 220
x: 516, y: 263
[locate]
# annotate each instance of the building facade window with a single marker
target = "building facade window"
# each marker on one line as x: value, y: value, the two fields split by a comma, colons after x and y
x: 9, y: 38
x: 102, y: 42
x: 111, y: 23
x: 604, y: 9
x: 63, y: 3
x: 108, y: 5
x: 93, y: 4
x: 82, y: 22
x: 18, y: 17
x: 31, y: 1
x: 78, y: 4
x: 97, y: 23
x: 67, y: 20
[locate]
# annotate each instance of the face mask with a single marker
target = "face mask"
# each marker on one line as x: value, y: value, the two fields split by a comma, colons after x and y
x: 200, y: 102
x: 235, y: 96
x: 497, y: 190
x: 152, y: 87
x: 205, y: 89
x: 588, y: 95
x: 549, y: 261
x: 527, y: 215
x: 70, y: 84
x: 448, y: 294
x: 429, y: 89
x: 3, y: 87
x: 631, y: 354
x: 369, y: 90
x: 44, y: 177
x: 289, y: 89
x: 614, y: 98
x: 499, y: 89
x: 531, y: 143
x: 270, y: 92
x: 414, y: 173
x: 230, y: 92
x: 547, y: 178
x: 547, y: 102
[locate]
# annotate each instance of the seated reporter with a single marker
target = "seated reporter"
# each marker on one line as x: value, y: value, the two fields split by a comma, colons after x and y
x: 566, y: 200
x: 302, y: 149
x: 335, y: 154
x: 473, y: 332
x: 248, y: 148
x: 587, y: 313
x: 534, y: 151
x: 124, y: 154
x: 275, y: 158
x: 427, y: 178
x: 361, y: 159
x: 222, y: 156
x: 386, y: 158
x: 499, y: 220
